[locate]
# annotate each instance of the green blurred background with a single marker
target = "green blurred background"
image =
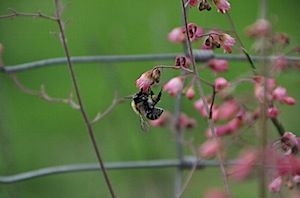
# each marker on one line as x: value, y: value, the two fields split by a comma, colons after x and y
x: 36, y: 134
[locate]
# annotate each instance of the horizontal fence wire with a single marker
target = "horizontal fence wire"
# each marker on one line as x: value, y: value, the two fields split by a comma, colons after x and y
x: 186, y: 163
x: 200, y: 56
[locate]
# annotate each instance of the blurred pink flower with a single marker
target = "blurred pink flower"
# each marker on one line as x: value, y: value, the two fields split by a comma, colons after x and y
x: 244, y: 165
x: 176, y: 35
x: 209, y: 148
x: 226, y: 41
x: 199, y: 105
x: 218, y: 66
x: 190, y: 92
x: 222, y: 5
x: 289, y: 100
x: 279, y: 63
x: 228, y: 109
x: 174, y: 86
x: 220, y: 83
x: 261, y: 27
x: 186, y: 122
x: 279, y: 93
x: 275, y: 184
x: 273, y: 112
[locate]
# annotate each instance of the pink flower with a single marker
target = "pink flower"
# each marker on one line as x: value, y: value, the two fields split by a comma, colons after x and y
x: 174, y: 86
x: 290, y: 143
x: 289, y: 100
x: 190, y: 92
x: 279, y: 93
x: 259, y: 88
x: 273, y: 112
x: 147, y: 79
x: 210, y: 148
x: 220, y: 83
x: 181, y: 61
x: 193, y: 3
x: 222, y: 5
x: 199, y: 105
x: 228, y: 109
x: 261, y: 27
x: 279, y: 63
x: 176, y: 35
x: 218, y: 66
x: 186, y: 122
x: 296, y: 179
x: 275, y: 185
x: 244, y: 165
x: 194, y: 31
x: 226, y: 41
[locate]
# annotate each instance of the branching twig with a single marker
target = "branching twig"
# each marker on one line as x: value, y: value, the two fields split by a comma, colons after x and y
x: 43, y: 95
x: 108, y: 110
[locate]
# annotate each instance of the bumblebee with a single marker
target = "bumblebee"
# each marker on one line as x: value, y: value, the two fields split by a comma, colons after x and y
x: 144, y: 105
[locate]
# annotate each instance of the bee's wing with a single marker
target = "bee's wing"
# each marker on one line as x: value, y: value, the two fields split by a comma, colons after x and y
x: 144, y: 124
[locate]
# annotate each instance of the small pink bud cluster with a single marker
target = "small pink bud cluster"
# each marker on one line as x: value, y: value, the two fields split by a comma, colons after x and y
x: 214, y: 38
x: 271, y: 93
x: 221, y: 5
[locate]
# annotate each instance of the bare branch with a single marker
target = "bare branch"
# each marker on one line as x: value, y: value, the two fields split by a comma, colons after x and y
x: 43, y: 95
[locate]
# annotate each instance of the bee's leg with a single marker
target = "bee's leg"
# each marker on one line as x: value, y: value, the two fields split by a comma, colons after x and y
x: 158, y: 96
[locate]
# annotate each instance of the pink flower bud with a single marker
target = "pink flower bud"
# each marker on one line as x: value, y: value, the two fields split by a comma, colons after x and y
x: 275, y: 185
x: 222, y: 5
x: 176, y: 35
x: 218, y: 66
x: 192, y: 29
x: 190, y: 92
x: 174, y: 86
x: 273, y: 112
x: 194, y: 3
x: 199, y: 105
x: 209, y: 148
x: 186, y: 122
x: 220, y: 83
x: 228, y: 109
x: 289, y: 100
x: 296, y: 179
x: 226, y: 41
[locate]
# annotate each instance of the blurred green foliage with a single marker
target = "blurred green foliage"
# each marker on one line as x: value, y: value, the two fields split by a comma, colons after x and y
x: 36, y: 134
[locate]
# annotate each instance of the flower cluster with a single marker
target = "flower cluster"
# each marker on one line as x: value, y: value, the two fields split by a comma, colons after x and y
x: 221, y: 5
x: 195, y: 32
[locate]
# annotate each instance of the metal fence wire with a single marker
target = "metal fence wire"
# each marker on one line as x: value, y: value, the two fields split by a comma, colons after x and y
x: 181, y: 163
